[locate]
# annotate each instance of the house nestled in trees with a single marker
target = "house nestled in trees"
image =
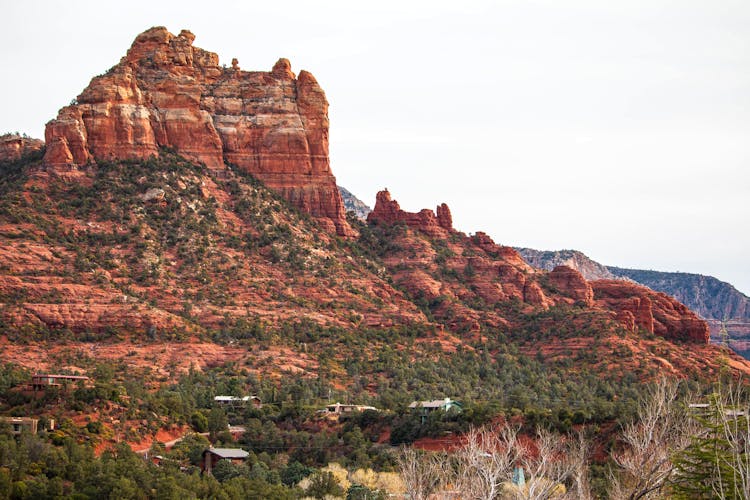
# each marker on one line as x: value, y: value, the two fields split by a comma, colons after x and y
x: 425, y: 407
x: 337, y: 409
x: 235, y: 402
x: 41, y: 382
x: 31, y: 425
x: 212, y: 456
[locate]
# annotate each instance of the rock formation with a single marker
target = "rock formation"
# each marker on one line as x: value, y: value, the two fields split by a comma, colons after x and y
x: 639, y: 307
x: 14, y: 146
x: 466, y: 278
x: 706, y: 295
x: 167, y: 93
x: 388, y: 212
x: 571, y: 283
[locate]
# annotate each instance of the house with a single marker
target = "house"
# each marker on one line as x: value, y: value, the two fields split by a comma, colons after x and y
x: 337, y: 409
x: 40, y: 382
x: 20, y: 424
x: 211, y: 456
x: 705, y: 409
x: 426, y: 407
x: 234, y: 401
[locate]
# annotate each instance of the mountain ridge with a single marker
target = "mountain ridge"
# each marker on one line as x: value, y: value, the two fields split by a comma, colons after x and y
x: 109, y: 235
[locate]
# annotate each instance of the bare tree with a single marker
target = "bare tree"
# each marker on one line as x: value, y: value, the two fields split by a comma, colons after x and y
x: 423, y: 473
x: 558, y: 459
x: 484, y: 464
x: 662, y: 428
x: 579, y: 457
x: 732, y: 465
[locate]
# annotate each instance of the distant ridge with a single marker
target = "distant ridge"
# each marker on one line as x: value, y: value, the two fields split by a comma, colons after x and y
x: 354, y: 204
x: 548, y: 260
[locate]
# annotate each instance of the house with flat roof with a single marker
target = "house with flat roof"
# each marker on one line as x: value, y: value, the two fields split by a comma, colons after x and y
x: 426, y: 407
x: 212, y: 456
x: 29, y: 424
x: 42, y: 381
x: 338, y: 409
x: 235, y: 401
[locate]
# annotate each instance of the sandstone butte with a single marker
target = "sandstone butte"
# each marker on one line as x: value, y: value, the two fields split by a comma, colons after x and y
x: 165, y: 92
x: 499, y: 273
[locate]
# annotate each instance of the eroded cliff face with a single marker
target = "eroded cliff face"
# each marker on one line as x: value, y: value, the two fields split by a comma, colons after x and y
x: 468, y: 281
x: 639, y: 307
x: 166, y: 92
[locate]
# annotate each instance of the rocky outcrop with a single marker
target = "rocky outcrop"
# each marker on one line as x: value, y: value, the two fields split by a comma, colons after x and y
x: 14, y: 146
x: 706, y: 295
x: 638, y: 307
x: 166, y: 92
x: 714, y: 300
x: 571, y: 283
x: 388, y: 212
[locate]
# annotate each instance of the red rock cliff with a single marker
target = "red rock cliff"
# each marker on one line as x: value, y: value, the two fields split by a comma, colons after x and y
x: 13, y: 146
x: 166, y: 92
x: 640, y: 307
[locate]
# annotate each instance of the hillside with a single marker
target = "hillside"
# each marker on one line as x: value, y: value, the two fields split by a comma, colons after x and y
x: 714, y: 300
x: 182, y: 220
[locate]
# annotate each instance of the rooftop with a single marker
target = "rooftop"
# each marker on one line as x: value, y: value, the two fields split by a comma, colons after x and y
x: 228, y: 452
x: 67, y: 377
x: 435, y: 403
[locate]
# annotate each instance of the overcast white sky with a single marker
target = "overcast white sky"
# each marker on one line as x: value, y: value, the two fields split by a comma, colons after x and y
x: 618, y: 128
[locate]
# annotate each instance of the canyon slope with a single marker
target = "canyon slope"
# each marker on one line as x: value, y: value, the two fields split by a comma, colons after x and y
x: 177, y: 201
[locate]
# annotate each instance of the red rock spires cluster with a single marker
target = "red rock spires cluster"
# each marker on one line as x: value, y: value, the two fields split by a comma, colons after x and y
x: 388, y: 211
x: 166, y: 92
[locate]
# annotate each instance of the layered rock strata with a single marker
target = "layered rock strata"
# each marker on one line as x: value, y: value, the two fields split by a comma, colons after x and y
x: 638, y: 307
x: 166, y: 92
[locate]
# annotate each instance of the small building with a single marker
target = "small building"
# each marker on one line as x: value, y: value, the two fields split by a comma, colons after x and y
x: 236, y: 402
x: 40, y: 382
x: 426, y: 407
x: 21, y: 424
x: 211, y: 456
x: 337, y: 409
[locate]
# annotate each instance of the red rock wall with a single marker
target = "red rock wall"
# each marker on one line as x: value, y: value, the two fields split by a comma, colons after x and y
x: 166, y: 92
x: 640, y: 307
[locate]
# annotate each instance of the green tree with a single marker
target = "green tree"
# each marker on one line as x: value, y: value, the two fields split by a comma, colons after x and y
x: 323, y: 484
x: 217, y: 422
x: 199, y: 422
x: 294, y: 473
